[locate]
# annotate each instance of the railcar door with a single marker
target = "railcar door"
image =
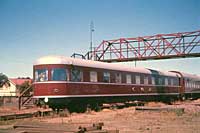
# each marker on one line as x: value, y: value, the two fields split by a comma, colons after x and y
x: 181, y: 82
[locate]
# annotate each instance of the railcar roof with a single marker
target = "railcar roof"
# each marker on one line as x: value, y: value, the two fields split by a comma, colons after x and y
x: 96, y: 64
x: 191, y: 76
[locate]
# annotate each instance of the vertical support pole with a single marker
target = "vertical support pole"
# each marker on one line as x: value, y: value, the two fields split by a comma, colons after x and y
x: 127, y: 50
x: 135, y: 63
x: 180, y: 45
x: 91, y: 31
x: 158, y: 47
x: 139, y: 48
x: 103, y: 50
x: 145, y: 47
x: 183, y: 44
x: 94, y: 54
x: 19, y: 103
x: 120, y: 49
x: 110, y: 53
x: 163, y: 46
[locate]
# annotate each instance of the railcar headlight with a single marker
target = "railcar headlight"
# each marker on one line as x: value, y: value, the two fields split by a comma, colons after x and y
x: 46, y: 99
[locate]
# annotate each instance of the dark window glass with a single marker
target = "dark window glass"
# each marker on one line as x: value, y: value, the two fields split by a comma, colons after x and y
x: 160, y: 81
x: 77, y: 75
x: 176, y: 82
x: 59, y: 74
x: 106, y: 77
x: 118, y: 78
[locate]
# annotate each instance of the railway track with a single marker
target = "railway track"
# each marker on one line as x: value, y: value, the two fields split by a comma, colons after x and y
x: 39, y: 127
x: 22, y: 115
x: 65, y: 112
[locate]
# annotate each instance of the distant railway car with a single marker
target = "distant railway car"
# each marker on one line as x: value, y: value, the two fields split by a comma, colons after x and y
x: 63, y: 81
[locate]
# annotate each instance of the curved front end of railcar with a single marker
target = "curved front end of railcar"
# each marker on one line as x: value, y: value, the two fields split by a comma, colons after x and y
x: 50, y: 84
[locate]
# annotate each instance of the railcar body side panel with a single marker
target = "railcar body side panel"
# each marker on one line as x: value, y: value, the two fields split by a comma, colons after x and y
x: 98, y: 89
x: 65, y: 78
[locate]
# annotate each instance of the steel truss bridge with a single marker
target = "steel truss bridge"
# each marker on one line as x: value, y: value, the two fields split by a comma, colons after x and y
x: 160, y: 46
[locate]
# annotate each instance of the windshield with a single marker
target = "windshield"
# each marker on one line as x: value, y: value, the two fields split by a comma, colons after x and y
x: 59, y: 74
x: 41, y: 75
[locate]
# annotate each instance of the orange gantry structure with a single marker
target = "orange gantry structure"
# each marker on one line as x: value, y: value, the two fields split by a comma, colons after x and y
x: 160, y: 46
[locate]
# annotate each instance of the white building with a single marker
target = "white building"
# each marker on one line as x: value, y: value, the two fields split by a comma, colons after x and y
x: 7, y: 91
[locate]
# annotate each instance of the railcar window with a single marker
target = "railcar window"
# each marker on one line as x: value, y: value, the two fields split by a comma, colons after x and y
x: 172, y: 81
x: 106, y: 77
x: 153, y: 80
x: 118, y: 78
x: 145, y: 80
x: 160, y: 81
x: 76, y: 75
x: 169, y: 81
x: 166, y: 81
x: 190, y: 85
x: 186, y: 84
x: 59, y: 74
x: 176, y: 83
x: 41, y: 75
x: 93, y: 76
x: 137, y: 79
x: 128, y: 78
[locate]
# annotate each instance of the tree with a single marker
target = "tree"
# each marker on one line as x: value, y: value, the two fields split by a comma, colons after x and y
x: 4, y: 80
x: 25, y: 86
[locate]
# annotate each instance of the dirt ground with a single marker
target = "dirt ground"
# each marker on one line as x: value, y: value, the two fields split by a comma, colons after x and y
x: 130, y: 120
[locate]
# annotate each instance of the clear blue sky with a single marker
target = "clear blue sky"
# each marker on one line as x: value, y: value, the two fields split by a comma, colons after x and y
x: 30, y: 29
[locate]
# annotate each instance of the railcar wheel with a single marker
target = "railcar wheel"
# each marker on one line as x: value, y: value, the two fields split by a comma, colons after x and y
x: 77, y: 107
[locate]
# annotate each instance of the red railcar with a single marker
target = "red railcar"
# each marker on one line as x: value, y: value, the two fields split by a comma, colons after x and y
x: 60, y: 81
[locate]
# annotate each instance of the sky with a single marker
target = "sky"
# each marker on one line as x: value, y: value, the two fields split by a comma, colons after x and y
x: 30, y: 29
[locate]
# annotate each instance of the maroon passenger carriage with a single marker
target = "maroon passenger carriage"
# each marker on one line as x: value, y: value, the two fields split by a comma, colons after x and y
x: 62, y: 82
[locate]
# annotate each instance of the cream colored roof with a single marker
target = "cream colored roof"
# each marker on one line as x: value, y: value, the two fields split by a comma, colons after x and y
x: 94, y: 64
